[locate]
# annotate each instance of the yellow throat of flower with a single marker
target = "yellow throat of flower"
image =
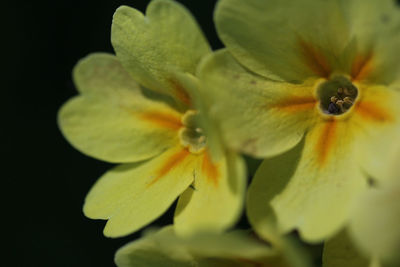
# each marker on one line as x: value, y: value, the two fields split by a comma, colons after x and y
x: 191, y: 136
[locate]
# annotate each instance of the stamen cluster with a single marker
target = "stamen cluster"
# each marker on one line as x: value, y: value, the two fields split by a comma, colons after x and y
x: 342, y: 101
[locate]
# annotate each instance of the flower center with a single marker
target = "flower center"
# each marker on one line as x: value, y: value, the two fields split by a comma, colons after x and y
x: 190, y: 135
x: 337, y: 95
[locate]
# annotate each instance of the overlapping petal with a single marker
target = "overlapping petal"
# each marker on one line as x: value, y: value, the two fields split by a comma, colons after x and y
x: 147, y: 252
x: 317, y: 187
x: 374, y: 224
x: 206, y: 121
x: 318, y: 198
x: 255, y: 115
x: 214, y: 202
x: 289, y: 40
x: 374, y: 29
x: 112, y: 119
x: 236, y: 248
x: 132, y: 195
x: 322, y: 182
x: 270, y: 178
x: 154, y: 46
x: 275, y: 40
x: 297, y: 39
x: 339, y: 251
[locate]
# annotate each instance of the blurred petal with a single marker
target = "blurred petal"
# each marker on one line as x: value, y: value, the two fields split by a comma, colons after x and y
x: 146, y: 251
x: 132, y: 195
x: 154, y: 46
x: 340, y: 252
x: 112, y: 120
x: 214, y: 202
x: 298, y: 39
x: 290, y: 40
x: 236, y: 248
x: 269, y: 180
x: 255, y: 115
x: 374, y: 225
x: 375, y: 30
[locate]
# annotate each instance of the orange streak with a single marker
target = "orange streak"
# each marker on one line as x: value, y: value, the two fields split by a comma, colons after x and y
x: 314, y: 59
x: 169, y: 164
x: 296, y: 103
x: 371, y: 111
x: 180, y: 92
x: 326, y: 141
x: 163, y: 120
x: 210, y: 169
x: 362, y: 66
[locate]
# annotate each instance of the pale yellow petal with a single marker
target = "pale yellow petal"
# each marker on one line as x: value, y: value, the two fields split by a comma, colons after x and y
x: 215, y: 200
x: 375, y: 30
x: 153, y: 46
x: 112, y: 119
x: 375, y: 221
x: 254, y: 115
x: 269, y: 180
x: 132, y: 195
x: 376, y: 119
x: 284, y: 40
x: 325, y: 182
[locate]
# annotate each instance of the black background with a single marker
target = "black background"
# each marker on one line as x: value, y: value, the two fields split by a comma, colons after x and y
x: 45, y: 180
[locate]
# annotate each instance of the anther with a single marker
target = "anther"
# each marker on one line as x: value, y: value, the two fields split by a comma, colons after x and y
x: 337, y: 95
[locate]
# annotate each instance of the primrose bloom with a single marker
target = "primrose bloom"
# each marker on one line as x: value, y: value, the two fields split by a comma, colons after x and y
x: 313, y: 86
x: 238, y: 248
x: 152, y: 127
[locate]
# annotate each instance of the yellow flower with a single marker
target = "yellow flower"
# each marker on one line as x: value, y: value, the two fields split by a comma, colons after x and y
x: 314, y: 87
x: 236, y: 248
x: 156, y: 133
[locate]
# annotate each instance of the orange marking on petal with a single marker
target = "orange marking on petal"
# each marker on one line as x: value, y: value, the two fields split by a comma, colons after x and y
x: 163, y: 120
x: 169, y: 164
x: 210, y: 169
x: 296, y: 103
x: 372, y: 111
x: 314, y: 59
x: 362, y: 66
x: 180, y: 92
x: 326, y: 141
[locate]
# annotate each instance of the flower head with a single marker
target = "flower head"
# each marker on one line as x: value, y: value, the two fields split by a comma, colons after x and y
x: 136, y: 108
x: 314, y: 87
